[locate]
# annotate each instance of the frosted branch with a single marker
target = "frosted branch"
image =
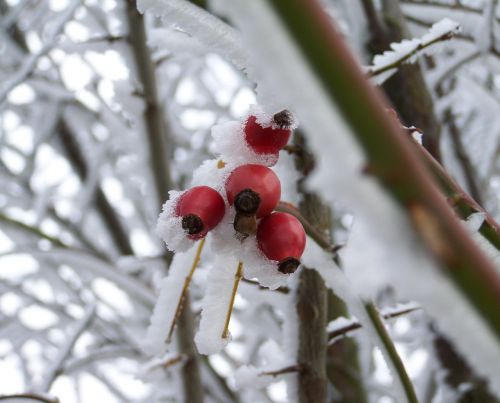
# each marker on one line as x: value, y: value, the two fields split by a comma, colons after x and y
x: 99, y: 267
x: 31, y: 61
x: 29, y: 398
x: 56, y: 368
x: 407, y: 50
x: 341, y: 328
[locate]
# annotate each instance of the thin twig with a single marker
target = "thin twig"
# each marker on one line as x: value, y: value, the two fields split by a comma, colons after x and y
x: 310, y: 229
x: 237, y: 278
x: 158, y: 139
x: 397, y: 169
x: 182, y: 298
x: 421, y: 46
x: 30, y: 63
x: 354, y: 324
x: 32, y: 229
x: 282, y: 371
x: 392, y: 352
x: 57, y: 366
x: 30, y: 397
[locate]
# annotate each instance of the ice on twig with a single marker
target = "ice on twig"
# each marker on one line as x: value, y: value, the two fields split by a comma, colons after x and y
x: 406, y: 51
x: 170, y: 290
x: 215, y: 304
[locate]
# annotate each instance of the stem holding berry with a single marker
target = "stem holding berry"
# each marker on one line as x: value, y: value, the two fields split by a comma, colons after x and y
x: 237, y: 278
x: 185, y: 288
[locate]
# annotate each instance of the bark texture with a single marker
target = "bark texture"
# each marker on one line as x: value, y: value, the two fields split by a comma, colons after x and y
x: 320, y: 363
x: 158, y: 137
x: 406, y: 89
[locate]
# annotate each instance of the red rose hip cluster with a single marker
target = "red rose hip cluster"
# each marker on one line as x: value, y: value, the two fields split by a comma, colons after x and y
x: 254, y: 190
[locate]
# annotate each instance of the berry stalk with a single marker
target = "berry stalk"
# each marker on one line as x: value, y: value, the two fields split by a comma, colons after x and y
x: 182, y: 298
x: 237, y: 278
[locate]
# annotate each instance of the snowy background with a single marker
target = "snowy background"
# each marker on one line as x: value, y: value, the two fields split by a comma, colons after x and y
x: 81, y: 264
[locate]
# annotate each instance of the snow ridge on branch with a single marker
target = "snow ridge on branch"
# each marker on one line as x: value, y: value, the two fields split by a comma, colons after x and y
x: 406, y: 51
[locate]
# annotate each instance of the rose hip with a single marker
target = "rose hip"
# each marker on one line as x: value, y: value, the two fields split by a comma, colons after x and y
x: 281, y: 237
x: 201, y: 209
x: 269, y: 140
x: 253, y: 189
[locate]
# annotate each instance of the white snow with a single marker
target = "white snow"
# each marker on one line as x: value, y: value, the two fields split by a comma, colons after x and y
x: 230, y: 140
x: 169, y: 225
x: 225, y: 243
x: 408, y: 49
x: 231, y: 145
x: 271, y: 357
x: 170, y: 290
x: 339, y: 323
x: 209, y: 174
x: 215, y: 305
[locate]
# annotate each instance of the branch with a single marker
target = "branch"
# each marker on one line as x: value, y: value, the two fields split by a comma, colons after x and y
x: 310, y: 229
x: 72, y: 148
x: 354, y: 324
x: 463, y: 158
x: 57, y: 366
x: 33, y: 230
x: 405, y: 57
x: 31, y: 61
x: 461, y: 202
x: 30, y: 397
x: 157, y: 137
x: 287, y: 370
x: 102, y: 354
x: 100, y: 267
x: 398, y: 170
x: 391, y: 350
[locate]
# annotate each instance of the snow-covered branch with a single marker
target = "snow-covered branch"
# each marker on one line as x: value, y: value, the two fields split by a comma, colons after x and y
x: 386, y: 64
x: 31, y: 61
x: 57, y: 365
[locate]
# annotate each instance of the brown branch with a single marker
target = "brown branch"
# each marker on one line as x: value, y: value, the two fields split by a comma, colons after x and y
x: 30, y: 396
x: 114, y: 225
x: 286, y: 370
x: 463, y: 157
x: 157, y: 136
x: 354, y: 325
x: 311, y: 294
x: 169, y: 363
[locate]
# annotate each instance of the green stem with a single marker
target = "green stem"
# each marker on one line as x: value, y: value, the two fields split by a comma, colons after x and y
x: 390, y: 348
x: 34, y: 230
x: 463, y: 204
x: 390, y: 155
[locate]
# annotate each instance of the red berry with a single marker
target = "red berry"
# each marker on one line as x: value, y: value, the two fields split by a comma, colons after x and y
x: 201, y: 209
x: 281, y: 237
x: 268, y: 140
x: 253, y: 189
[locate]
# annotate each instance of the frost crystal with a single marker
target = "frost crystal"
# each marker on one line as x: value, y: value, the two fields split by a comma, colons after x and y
x: 215, y: 304
x: 170, y: 291
x: 169, y: 226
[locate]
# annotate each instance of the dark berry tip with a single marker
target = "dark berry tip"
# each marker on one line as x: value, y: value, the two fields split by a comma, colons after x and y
x: 283, y: 119
x: 247, y: 202
x: 289, y: 265
x: 192, y: 224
